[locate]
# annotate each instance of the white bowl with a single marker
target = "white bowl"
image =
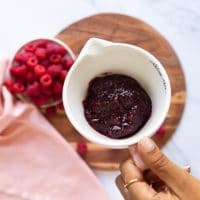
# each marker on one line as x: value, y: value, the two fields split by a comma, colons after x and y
x: 12, y: 60
x: 100, y: 56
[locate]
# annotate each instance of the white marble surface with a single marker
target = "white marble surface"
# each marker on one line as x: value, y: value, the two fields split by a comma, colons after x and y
x: 177, y: 20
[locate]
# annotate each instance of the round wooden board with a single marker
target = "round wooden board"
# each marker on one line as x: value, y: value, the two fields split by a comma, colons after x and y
x: 121, y: 28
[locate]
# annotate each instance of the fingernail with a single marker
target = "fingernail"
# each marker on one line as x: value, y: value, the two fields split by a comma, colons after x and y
x: 187, y: 168
x: 147, y: 145
x: 138, y: 161
x: 166, y: 189
x: 132, y: 149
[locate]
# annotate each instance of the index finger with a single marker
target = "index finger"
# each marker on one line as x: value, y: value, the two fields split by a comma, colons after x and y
x: 139, y: 190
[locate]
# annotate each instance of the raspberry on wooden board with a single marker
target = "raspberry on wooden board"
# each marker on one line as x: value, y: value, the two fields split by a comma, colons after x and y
x: 81, y: 147
x: 160, y: 131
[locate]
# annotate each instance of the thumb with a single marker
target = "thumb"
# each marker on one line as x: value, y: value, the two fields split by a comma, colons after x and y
x: 175, y: 177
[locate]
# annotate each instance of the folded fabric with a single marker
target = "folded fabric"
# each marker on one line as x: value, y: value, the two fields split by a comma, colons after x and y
x: 36, y: 163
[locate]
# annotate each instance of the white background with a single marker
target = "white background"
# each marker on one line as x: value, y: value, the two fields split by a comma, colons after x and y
x: 177, y: 20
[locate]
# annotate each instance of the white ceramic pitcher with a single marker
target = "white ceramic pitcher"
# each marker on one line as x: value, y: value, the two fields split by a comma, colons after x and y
x: 99, y: 56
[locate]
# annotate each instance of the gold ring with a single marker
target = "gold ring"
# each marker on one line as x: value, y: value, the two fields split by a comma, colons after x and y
x: 135, y: 180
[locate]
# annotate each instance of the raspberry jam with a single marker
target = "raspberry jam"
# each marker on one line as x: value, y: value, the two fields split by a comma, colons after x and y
x: 116, y: 106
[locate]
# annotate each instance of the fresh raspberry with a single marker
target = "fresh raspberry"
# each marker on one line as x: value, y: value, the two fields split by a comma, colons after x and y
x: 21, y: 80
x: 51, y: 111
x: 30, y: 77
x: 32, y: 62
x: 45, y: 63
x: 39, y: 70
x: 55, y: 58
x: 67, y: 63
x: 42, y: 43
x: 54, y: 70
x: 33, y: 89
x: 57, y: 87
x: 61, y: 50
x: 18, y: 57
x: 9, y: 84
x: 31, y: 47
x: 17, y: 88
x: 21, y: 71
x: 70, y: 62
x: 40, y: 53
x: 81, y: 148
x: 57, y: 97
x: 46, y: 80
x: 63, y: 75
x: 22, y: 57
x: 160, y: 131
x: 13, y: 71
x: 61, y: 106
x: 51, y: 48
x: 47, y: 91
x: 40, y: 100
x: 64, y: 63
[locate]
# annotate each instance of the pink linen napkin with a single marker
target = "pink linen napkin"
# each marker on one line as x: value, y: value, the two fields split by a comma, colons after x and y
x: 36, y: 163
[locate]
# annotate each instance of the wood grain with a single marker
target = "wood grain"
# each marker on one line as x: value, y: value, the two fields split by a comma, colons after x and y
x: 121, y: 28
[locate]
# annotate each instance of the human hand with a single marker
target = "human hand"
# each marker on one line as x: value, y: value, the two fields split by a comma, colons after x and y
x: 154, y: 176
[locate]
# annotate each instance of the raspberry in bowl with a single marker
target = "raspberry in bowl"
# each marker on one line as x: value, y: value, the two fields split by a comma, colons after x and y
x: 38, y: 70
x: 115, y: 83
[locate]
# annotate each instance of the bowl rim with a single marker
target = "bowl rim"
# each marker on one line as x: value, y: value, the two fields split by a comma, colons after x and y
x: 124, y: 142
